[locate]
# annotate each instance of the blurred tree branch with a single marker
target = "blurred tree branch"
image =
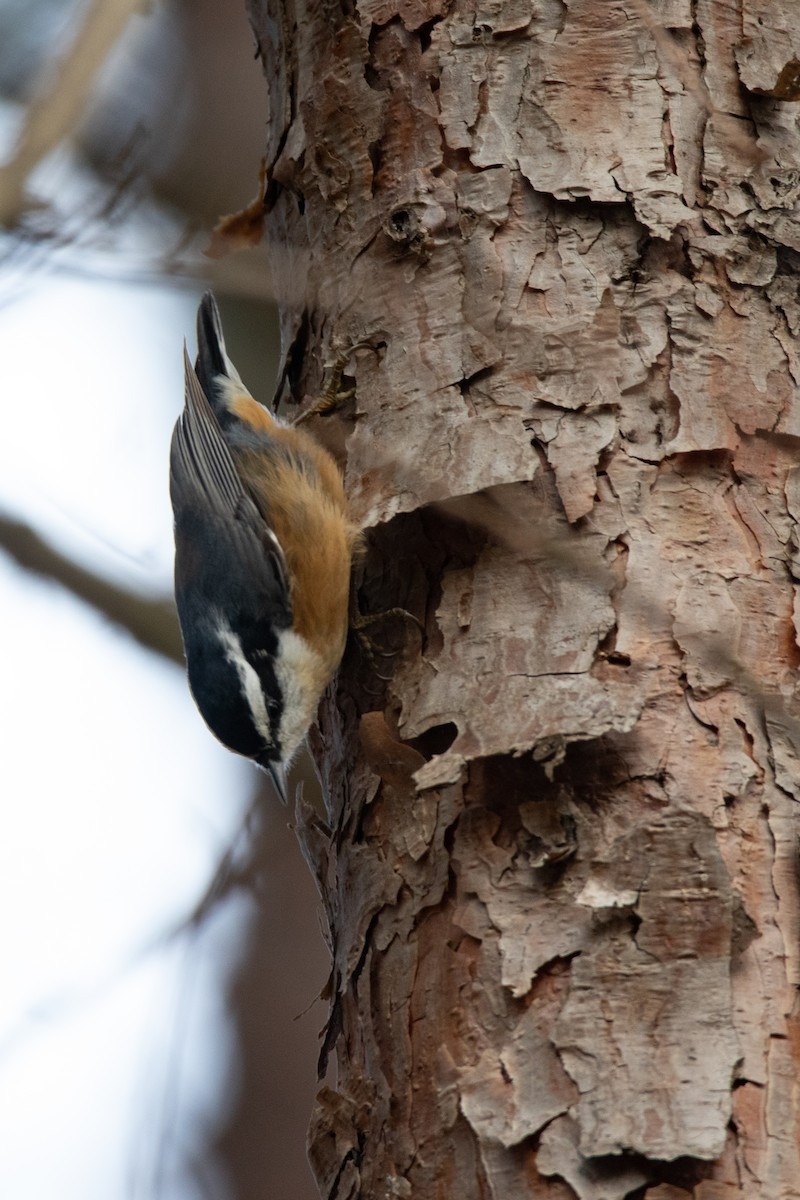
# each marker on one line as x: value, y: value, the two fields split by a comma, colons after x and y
x: 152, y: 623
x: 61, y: 98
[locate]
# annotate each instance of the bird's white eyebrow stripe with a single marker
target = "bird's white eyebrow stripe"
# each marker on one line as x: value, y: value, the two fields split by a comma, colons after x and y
x: 249, y: 680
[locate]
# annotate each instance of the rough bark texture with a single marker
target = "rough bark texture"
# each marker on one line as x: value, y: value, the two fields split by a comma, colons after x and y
x: 560, y: 859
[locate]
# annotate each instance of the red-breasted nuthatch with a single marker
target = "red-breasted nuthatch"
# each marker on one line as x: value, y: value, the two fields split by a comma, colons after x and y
x: 263, y: 553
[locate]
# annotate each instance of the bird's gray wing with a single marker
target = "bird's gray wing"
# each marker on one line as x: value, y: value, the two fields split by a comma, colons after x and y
x: 204, y: 482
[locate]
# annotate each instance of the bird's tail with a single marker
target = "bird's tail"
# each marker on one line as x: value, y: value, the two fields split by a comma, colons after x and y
x: 212, y: 356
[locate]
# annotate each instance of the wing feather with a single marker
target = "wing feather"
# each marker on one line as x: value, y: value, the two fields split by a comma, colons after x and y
x: 204, y: 481
x: 203, y: 461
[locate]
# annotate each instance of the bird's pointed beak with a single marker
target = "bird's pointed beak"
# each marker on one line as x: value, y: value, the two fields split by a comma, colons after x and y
x: 277, y: 773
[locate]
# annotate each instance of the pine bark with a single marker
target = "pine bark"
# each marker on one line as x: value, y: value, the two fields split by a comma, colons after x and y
x: 560, y: 856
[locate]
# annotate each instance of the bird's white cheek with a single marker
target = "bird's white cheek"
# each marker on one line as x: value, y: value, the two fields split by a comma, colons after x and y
x: 302, y: 677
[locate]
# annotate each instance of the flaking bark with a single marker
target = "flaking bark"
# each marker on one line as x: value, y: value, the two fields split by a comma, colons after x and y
x: 559, y: 862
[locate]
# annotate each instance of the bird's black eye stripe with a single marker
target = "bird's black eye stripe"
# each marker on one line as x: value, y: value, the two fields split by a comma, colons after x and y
x: 260, y: 649
x: 261, y: 659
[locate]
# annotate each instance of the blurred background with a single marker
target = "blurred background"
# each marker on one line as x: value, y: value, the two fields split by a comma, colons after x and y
x: 162, y: 950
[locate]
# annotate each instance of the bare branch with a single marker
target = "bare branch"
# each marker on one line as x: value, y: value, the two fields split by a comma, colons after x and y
x: 151, y: 622
x: 56, y: 108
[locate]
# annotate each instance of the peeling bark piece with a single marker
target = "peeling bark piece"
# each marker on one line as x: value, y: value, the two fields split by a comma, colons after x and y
x: 768, y: 57
x: 783, y: 825
x: 412, y: 13
x: 487, y: 681
x: 514, y: 1173
x: 244, y: 229
x: 552, y: 829
x: 783, y: 294
x: 592, y: 116
x: 364, y: 890
x: 578, y: 107
x: 510, y: 1096
x: 461, y: 77
x: 503, y: 16
x: 707, y: 628
x: 673, y: 14
x: 730, y: 745
x: 646, y: 1030
x: 751, y: 261
x: 612, y: 1179
x: 574, y: 453
x: 582, y: 363
x: 738, y: 378
x: 549, y: 714
x: 534, y: 920
x: 472, y: 445
x: 393, y: 761
x: 721, y: 29
x: 782, y: 1160
x: 336, y: 149
x: 783, y: 732
x: 749, y: 1112
x: 333, y: 1142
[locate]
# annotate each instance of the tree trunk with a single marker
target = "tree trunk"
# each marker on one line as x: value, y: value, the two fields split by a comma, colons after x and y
x: 560, y: 860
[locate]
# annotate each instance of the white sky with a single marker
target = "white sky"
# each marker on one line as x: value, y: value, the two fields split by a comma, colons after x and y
x: 116, y: 804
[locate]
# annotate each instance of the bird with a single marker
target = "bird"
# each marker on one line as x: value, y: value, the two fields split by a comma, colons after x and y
x: 264, y: 546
